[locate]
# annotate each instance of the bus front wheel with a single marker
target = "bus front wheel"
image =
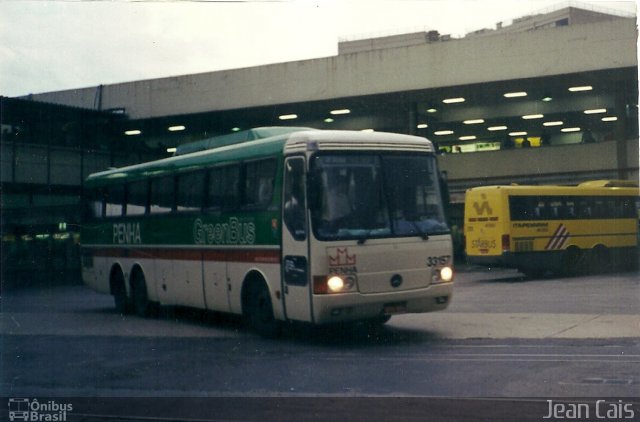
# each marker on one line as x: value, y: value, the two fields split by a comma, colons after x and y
x: 258, y: 310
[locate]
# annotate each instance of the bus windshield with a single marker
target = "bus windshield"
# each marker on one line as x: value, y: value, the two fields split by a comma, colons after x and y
x: 362, y: 196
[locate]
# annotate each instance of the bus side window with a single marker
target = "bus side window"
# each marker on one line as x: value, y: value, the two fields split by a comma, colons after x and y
x: 137, y: 195
x: 601, y: 208
x: 93, y: 204
x: 521, y: 208
x: 258, y: 184
x: 222, y: 191
x: 540, y: 211
x: 190, y: 195
x: 584, y: 209
x: 162, y: 195
x: 114, y: 200
x: 570, y: 209
x: 555, y: 209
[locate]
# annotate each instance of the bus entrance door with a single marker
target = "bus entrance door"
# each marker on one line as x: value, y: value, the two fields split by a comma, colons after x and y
x: 295, y: 250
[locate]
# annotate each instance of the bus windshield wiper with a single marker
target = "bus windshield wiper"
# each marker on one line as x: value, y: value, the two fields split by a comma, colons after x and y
x: 365, y: 237
x: 421, y: 233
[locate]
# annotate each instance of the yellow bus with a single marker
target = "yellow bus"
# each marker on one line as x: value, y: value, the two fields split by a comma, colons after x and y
x: 565, y: 229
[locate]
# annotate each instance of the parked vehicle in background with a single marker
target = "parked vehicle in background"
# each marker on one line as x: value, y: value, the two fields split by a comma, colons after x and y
x: 567, y: 229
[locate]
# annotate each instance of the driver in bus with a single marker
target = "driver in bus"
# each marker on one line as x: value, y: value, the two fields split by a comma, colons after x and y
x: 336, y: 204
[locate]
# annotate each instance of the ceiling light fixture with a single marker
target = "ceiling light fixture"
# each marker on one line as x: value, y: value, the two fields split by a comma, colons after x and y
x: 235, y: 129
x: 609, y: 119
x: 340, y: 111
x: 532, y: 116
x: 467, y: 138
x: 517, y: 133
x: 453, y: 100
x: 554, y: 123
x: 515, y: 94
x: 172, y: 150
x: 422, y: 126
x: 494, y: 128
x: 473, y: 121
x: 595, y: 111
x: 547, y: 99
x: 177, y: 128
x: 570, y: 129
x: 288, y: 117
x: 580, y: 88
x: 132, y: 132
x: 443, y: 132
x: 328, y: 120
x: 431, y: 110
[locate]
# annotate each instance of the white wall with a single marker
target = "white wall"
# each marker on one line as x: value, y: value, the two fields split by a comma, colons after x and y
x: 576, y: 48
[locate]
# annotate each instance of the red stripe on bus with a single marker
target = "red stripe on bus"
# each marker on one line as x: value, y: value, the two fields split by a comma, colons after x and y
x: 267, y: 256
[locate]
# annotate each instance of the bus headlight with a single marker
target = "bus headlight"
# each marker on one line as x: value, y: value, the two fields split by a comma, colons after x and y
x: 335, y: 284
x: 323, y: 285
x: 442, y: 275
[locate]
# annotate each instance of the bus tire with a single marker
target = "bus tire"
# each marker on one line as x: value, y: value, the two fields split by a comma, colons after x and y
x: 121, y: 301
x: 141, y: 304
x: 258, y: 309
x: 571, y: 258
x: 600, y: 261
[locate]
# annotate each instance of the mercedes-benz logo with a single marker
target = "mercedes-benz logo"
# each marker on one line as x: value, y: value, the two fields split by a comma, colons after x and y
x: 396, y: 280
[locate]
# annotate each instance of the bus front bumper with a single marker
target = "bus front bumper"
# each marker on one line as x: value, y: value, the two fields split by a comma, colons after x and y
x: 356, y: 306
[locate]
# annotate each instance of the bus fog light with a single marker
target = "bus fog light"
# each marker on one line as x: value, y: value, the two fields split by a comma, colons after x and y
x: 335, y: 283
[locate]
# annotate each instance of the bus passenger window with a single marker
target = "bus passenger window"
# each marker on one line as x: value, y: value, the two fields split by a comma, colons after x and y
x: 137, y: 198
x: 190, y: 191
x: 540, y: 210
x: 223, y: 187
x: 162, y: 195
x: 570, y: 209
x: 258, y: 188
x: 114, y: 200
x: 556, y: 209
x: 93, y: 204
x: 584, y: 209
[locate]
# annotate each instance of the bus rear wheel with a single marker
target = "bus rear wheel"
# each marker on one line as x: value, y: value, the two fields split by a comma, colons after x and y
x: 600, y: 261
x: 570, y: 260
x: 141, y: 304
x: 121, y: 301
x: 258, y: 310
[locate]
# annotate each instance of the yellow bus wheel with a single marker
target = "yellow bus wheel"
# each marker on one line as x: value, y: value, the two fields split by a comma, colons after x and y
x: 600, y: 259
x: 569, y: 265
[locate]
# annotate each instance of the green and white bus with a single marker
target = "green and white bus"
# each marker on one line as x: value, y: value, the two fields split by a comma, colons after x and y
x: 310, y: 225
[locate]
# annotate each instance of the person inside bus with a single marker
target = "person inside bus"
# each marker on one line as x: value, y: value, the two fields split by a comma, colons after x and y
x: 294, y: 206
x: 336, y: 204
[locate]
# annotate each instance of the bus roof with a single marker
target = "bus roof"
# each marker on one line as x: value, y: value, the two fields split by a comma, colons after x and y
x: 258, y: 148
x: 236, y: 138
x: 588, y: 188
